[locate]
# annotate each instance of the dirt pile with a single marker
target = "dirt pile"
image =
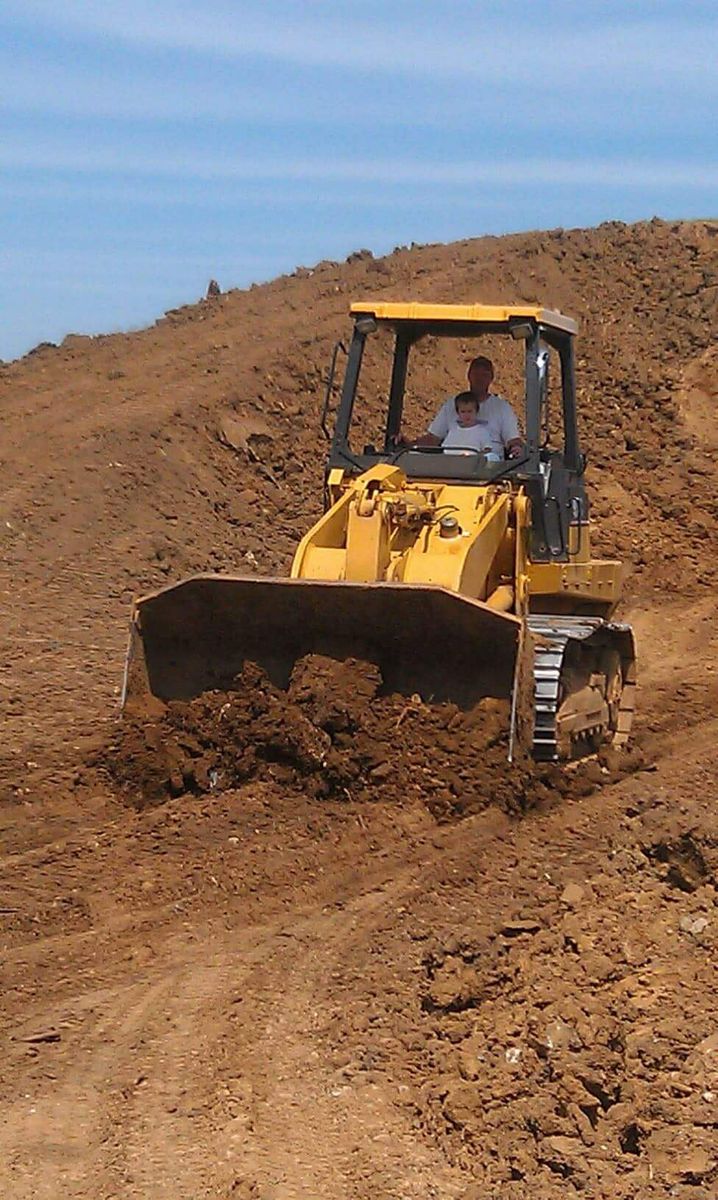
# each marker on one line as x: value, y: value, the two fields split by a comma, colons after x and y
x: 332, y: 734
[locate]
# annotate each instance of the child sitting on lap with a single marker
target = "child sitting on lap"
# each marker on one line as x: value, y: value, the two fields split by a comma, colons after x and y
x: 469, y: 432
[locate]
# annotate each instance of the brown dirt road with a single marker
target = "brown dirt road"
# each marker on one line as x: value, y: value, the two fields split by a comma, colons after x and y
x: 265, y: 994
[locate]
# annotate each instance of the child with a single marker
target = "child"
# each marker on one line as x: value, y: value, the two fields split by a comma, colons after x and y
x: 469, y: 431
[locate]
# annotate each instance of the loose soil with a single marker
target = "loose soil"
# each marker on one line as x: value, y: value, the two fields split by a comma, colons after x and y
x: 332, y: 734
x: 335, y: 951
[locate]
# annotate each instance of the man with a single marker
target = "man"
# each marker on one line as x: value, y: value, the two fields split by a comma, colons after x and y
x: 495, y: 415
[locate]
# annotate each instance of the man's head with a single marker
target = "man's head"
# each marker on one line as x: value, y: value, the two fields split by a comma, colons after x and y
x: 480, y: 374
x: 467, y: 409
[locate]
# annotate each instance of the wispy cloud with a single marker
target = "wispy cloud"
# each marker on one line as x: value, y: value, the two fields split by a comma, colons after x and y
x: 145, y: 95
x: 146, y: 140
x: 143, y: 92
x: 559, y: 172
x: 470, y: 41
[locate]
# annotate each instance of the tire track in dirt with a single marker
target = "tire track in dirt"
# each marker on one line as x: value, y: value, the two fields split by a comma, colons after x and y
x: 269, y: 1108
x: 48, y: 1135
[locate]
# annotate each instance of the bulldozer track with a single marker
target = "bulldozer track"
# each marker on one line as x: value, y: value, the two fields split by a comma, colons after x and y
x: 554, y: 633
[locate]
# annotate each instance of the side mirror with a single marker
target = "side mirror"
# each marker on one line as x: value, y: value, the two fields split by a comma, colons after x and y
x: 581, y: 465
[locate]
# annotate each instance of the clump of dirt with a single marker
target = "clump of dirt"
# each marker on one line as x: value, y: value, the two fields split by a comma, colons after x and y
x: 331, y: 734
x: 559, y: 1061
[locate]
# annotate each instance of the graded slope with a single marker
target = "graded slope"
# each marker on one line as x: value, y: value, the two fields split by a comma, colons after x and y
x: 265, y: 994
x: 131, y: 460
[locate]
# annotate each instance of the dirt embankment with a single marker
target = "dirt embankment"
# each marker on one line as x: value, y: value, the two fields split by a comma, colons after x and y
x: 264, y: 987
x: 132, y: 460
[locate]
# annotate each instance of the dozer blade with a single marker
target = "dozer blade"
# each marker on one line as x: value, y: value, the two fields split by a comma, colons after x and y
x: 196, y: 636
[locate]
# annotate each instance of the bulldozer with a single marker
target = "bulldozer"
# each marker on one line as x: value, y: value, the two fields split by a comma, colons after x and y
x: 460, y: 577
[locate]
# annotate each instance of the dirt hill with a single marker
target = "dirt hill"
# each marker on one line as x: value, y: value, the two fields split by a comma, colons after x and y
x: 269, y: 995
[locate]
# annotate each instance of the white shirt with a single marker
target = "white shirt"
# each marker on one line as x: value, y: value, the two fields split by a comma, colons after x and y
x: 475, y: 437
x: 497, y: 425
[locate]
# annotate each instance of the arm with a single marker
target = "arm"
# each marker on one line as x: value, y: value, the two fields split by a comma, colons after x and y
x: 425, y: 439
x: 510, y: 433
x: 440, y: 426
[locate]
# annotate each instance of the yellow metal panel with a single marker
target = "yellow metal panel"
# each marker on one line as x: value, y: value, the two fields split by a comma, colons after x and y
x: 599, y: 579
x: 502, y: 598
x: 496, y: 313
x: 329, y: 532
x: 367, y: 553
x: 323, y: 562
x: 522, y: 524
x: 461, y: 563
x: 484, y: 550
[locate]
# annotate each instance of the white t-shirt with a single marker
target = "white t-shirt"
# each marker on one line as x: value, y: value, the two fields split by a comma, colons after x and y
x: 475, y: 437
x: 496, y: 427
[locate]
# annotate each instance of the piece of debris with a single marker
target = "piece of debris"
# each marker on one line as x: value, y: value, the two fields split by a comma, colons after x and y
x: 45, y: 1035
x: 572, y: 894
x: 692, y: 924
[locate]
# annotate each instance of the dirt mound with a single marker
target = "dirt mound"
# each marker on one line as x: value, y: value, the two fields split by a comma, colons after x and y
x: 331, y: 735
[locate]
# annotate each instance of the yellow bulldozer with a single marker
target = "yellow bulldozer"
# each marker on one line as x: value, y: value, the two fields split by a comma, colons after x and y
x: 459, y: 577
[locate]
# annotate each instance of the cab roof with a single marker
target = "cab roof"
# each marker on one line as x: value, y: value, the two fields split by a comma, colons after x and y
x: 479, y: 314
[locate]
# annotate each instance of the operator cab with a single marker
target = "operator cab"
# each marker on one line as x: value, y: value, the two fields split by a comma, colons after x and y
x: 395, y: 347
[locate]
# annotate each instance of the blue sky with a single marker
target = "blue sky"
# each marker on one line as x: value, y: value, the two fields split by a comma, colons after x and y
x: 148, y: 146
